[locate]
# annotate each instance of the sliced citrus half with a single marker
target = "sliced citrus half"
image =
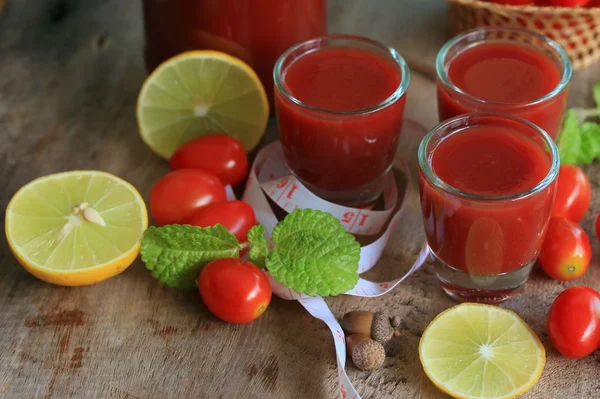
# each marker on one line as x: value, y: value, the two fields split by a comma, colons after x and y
x: 76, y: 228
x: 481, y: 351
x: 198, y: 93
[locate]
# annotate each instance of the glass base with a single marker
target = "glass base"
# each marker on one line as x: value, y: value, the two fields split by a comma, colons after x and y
x: 359, y: 197
x: 468, y: 287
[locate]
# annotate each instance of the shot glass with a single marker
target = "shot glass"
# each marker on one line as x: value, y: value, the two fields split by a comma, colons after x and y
x: 340, y: 139
x: 504, y: 70
x: 487, y: 186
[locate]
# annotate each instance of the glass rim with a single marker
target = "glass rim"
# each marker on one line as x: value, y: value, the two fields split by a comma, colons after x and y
x: 392, y: 98
x: 562, y: 54
x: 431, y: 176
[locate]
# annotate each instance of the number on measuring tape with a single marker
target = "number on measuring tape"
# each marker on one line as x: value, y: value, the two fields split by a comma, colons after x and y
x: 282, y: 183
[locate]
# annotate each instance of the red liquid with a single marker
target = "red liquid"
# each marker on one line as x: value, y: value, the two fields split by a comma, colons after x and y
x: 256, y: 31
x: 487, y: 237
x: 332, y: 151
x: 504, y: 72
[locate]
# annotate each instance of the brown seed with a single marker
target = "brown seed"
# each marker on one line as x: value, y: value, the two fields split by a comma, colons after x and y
x: 381, y: 329
x: 368, y: 355
x: 357, y: 322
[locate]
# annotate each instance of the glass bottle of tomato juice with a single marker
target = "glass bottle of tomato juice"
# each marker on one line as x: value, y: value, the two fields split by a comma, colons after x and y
x: 256, y: 31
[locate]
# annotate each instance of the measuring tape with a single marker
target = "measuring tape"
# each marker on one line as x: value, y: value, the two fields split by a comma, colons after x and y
x: 270, y: 178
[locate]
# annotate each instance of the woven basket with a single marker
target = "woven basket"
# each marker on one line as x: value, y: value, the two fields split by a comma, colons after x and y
x: 576, y: 29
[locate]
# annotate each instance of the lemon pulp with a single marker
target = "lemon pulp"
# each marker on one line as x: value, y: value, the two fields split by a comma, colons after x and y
x: 197, y: 93
x: 481, y: 351
x: 76, y: 228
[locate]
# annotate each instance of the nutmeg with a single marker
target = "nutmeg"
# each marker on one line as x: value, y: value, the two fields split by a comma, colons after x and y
x: 375, y: 325
x: 367, y: 354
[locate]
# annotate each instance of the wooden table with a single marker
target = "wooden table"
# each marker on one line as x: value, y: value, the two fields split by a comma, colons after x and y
x: 70, y: 72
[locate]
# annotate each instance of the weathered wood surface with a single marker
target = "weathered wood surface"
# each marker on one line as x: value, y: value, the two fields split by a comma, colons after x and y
x: 70, y: 72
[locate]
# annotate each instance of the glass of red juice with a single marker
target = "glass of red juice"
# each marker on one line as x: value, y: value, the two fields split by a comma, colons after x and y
x: 340, y: 102
x: 256, y: 31
x: 504, y: 70
x: 487, y: 185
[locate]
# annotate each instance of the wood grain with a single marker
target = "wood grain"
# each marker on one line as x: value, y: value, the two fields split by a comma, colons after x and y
x: 70, y: 74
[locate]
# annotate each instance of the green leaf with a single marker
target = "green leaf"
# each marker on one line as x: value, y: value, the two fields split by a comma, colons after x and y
x: 176, y: 253
x: 313, y: 254
x: 596, y: 92
x: 569, y: 141
x: 579, y: 140
x: 578, y: 143
x: 590, y: 142
x: 259, y: 248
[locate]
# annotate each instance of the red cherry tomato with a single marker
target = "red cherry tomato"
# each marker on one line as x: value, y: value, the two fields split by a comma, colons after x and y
x: 512, y: 2
x: 236, y: 216
x: 566, y: 251
x: 574, y: 322
x: 222, y: 155
x: 573, y: 194
x: 177, y: 196
x: 569, y: 3
x: 234, y: 290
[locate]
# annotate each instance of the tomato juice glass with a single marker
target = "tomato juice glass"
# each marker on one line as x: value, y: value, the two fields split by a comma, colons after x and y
x: 340, y: 102
x: 256, y: 31
x: 487, y: 186
x: 504, y: 70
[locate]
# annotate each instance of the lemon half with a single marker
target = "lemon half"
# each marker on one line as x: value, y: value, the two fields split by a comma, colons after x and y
x: 197, y: 93
x: 76, y: 228
x: 481, y: 351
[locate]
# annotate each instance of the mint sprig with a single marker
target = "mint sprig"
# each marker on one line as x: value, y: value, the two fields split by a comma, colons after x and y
x: 176, y: 253
x: 579, y: 140
x: 310, y: 252
x: 259, y: 248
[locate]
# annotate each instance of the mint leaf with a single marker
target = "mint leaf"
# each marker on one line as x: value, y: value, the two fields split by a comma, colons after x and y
x: 579, y: 141
x: 313, y: 254
x: 176, y: 253
x: 590, y: 142
x: 569, y: 141
x: 596, y: 92
x: 259, y: 248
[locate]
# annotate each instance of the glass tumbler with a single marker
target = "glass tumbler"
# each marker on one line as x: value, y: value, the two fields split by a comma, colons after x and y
x: 487, y: 186
x: 502, y: 67
x: 340, y: 154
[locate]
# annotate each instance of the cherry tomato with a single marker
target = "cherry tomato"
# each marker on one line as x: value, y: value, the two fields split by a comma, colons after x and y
x: 598, y: 227
x: 220, y: 154
x: 234, y: 290
x: 569, y: 3
x: 566, y: 251
x: 573, y: 193
x: 512, y: 2
x: 574, y: 322
x: 177, y: 196
x: 236, y: 216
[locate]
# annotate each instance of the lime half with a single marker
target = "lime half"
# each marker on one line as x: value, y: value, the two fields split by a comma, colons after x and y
x: 481, y: 351
x: 76, y: 228
x: 198, y: 93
